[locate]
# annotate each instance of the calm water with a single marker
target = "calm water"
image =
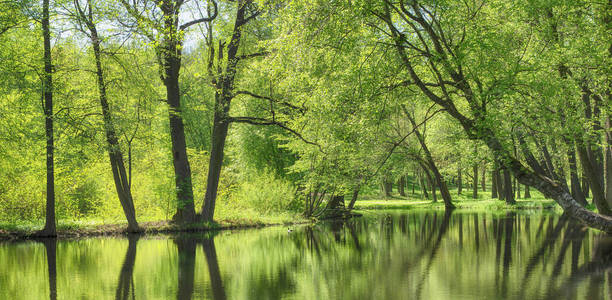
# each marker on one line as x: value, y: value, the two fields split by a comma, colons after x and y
x: 383, y: 255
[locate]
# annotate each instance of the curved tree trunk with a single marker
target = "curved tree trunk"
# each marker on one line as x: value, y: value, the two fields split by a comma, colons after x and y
x: 448, y: 203
x: 114, y: 149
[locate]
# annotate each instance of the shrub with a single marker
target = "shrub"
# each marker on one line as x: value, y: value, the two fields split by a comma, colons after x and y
x: 266, y: 193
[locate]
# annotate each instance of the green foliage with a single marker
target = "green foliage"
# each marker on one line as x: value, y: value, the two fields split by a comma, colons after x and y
x: 266, y: 194
x: 330, y: 73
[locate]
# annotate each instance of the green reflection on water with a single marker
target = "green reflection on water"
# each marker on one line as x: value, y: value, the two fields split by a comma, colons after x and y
x: 384, y: 255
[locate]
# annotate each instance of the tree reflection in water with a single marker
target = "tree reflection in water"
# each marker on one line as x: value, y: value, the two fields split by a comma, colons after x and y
x: 383, y: 255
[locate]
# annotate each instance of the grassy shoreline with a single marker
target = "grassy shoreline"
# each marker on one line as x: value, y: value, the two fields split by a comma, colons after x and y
x: 472, y: 205
x: 92, y: 228
x: 89, y: 228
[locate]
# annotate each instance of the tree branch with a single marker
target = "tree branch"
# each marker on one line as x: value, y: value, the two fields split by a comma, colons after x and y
x: 201, y: 20
x: 266, y: 122
x: 289, y: 105
x: 252, y: 55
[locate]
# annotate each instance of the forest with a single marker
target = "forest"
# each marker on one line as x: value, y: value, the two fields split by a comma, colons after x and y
x: 277, y: 111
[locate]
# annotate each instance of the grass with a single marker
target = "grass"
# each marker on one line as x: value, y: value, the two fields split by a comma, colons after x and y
x: 98, y: 227
x: 463, y: 201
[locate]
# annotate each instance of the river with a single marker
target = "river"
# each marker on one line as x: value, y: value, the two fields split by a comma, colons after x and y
x: 398, y: 254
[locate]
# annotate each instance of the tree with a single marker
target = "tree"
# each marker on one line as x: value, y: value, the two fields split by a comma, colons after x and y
x: 447, y: 73
x: 120, y: 176
x: 49, y: 229
x: 161, y: 25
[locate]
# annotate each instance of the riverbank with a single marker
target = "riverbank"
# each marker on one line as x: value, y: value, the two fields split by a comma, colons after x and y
x: 87, y: 228
x: 91, y: 228
x: 461, y: 203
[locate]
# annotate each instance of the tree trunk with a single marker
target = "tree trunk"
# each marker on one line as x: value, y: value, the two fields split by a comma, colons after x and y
x: 388, y: 187
x: 483, y: 183
x: 423, y: 185
x: 219, y: 136
x: 434, y: 193
x: 446, y: 197
x: 596, y: 148
x: 475, y: 183
x: 414, y: 177
x: 527, y: 193
x: 49, y: 229
x: 493, y: 184
x: 508, y: 190
x: 590, y: 152
x: 354, y: 197
x: 459, y: 182
x: 400, y: 186
x: 500, y: 184
x: 517, y: 187
x: 608, y: 160
x: 223, y: 98
x: 171, y: 57
x: 599, y: 198
x: 574, y: 180
x: 114, y: 149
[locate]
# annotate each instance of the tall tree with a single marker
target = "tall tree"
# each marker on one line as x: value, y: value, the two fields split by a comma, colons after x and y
x: 223, y: 77
x: 161, y: 25
x: 49, y: 229
x: 120, y: 176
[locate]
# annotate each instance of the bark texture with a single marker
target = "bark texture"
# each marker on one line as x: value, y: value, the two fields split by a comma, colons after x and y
x: 49, y: 229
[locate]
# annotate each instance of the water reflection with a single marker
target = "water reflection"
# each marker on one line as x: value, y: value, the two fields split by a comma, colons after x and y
x: 186, y: 247
x: 208, y: 245
x: 125, y: 288
x: 384, y: 255
x: 51, y: 250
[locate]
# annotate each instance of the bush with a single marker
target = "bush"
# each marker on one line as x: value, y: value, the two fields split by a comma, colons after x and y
x: 265, y: 193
